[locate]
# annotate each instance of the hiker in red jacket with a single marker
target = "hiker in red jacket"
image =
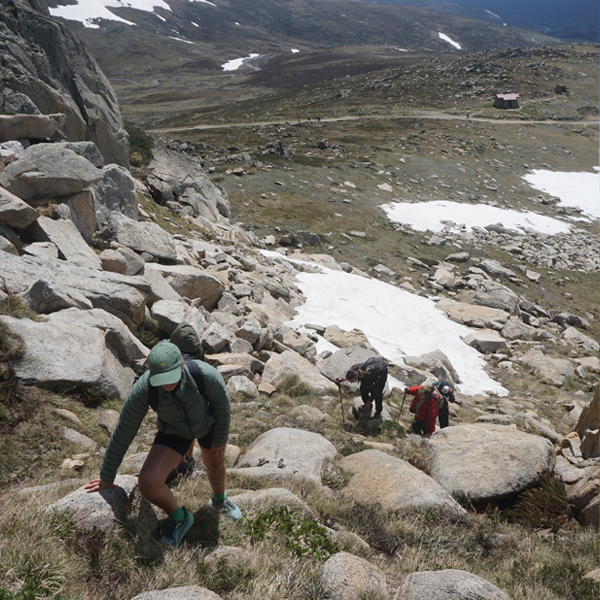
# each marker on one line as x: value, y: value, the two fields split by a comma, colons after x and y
x: 425, y: 408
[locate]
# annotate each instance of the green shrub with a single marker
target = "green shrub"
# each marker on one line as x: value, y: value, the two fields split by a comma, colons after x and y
x: 352, y: 447
x: 300, y: 536
x: 392, y: 430
x: 545, y: 507
x: 148, y: 333
x: 140, y: 144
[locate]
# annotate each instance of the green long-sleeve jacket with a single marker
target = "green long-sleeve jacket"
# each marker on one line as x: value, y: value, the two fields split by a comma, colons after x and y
x: 184, y: 412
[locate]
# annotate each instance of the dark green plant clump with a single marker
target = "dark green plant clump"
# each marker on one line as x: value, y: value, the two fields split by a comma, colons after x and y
x: 148, y: 333
x: 301, y: 536
x: 545, y: 507
x: 140, y: 145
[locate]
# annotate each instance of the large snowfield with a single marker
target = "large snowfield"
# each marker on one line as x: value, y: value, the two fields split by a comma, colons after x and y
x: 396, y: 322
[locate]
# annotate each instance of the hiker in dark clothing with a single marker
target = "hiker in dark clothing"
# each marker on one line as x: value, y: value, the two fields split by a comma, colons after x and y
x: 188, y: 407
x: 372, y: 375
x: 445, y: 395
x: 425, y: 408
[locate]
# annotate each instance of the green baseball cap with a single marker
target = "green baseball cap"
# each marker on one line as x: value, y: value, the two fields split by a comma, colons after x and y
x: 165, y: 362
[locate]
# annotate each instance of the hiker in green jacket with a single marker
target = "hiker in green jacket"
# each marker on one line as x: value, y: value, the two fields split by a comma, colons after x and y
x: 184, y: 414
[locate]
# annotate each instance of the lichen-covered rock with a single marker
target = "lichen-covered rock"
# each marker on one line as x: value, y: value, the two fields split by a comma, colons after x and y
x: 48, y: 171
x: 188, y: 592
x: 348, y: 577
x: 398, y: 484
x: 103, y: 509
x: 47, y: 65
x: 449, y: 584
x: 291, y: 452
x: 486, y: 461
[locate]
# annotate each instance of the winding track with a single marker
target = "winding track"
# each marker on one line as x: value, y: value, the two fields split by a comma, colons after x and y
x: 436, y: 115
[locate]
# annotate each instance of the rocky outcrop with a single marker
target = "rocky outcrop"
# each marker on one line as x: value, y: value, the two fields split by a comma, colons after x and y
x: 180, y: 176
x: 14, y: 212
x: 105, y: 509
x: 450, y: 584
x: 52, y: 72
x: 588, y: 427
x: 287, y: 453
x: 552, y: 370
x: 398, y: 484
x: 348, y: 577
x: 119, y: 295
x: 488, y: 462
x: 81, y: 357
x: 280, y: 366
x: 48, y: 171
x: 186, y: 592
x: 69, y: 242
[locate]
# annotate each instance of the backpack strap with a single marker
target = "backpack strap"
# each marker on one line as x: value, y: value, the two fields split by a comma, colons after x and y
x: 195, y: 372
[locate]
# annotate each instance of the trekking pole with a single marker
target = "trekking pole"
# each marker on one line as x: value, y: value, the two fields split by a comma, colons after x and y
x: 401, y: 407
x: 341, y: 403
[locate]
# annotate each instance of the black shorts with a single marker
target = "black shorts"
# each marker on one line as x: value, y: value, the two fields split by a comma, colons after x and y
x: 180, y: 444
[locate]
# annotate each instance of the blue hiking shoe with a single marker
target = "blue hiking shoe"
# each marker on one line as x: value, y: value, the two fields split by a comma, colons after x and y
x: 176, y: 531
x: 226, y: 507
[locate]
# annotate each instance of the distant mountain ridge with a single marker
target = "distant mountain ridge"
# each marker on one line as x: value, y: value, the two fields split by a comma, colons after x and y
x: 168, y: 55
x: 225, y: 28
x: 576, y: 20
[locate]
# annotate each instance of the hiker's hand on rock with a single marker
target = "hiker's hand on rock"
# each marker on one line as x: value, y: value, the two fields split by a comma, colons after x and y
x: 97, y: 484
x: 217, y: 450
x: 406, y: 390
x: 339, y: 380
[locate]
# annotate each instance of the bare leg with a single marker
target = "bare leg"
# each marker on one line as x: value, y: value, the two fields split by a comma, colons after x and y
x: 151, y: 480
x: 215, y: 470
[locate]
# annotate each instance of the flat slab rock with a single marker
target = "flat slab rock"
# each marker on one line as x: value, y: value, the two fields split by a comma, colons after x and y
x: 348, y: 577
x: 291, y: 451
x: 398, y: 484
x: 450, y: 584
x: 487, y: 461
x: 188, y: 592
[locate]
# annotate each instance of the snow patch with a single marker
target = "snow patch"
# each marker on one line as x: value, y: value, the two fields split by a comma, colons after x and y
x: 581, y: 190
x: 87, y: 11
x: 396, y: 322
x: 428, y: 216
x: 236, y: 63
x: 444, y: 37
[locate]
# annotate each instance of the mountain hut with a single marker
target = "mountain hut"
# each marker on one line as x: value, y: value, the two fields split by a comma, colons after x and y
x: 506, y: 101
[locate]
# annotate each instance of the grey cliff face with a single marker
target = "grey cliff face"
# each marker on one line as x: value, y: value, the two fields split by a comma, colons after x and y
x: 45, y: 69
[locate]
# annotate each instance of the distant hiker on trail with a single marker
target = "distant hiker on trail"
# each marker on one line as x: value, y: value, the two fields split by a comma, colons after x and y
x: 425, y: 408
x: 372, y: 375
x: 318, y: 118
x: 445, y: 395
x: 184, y: 413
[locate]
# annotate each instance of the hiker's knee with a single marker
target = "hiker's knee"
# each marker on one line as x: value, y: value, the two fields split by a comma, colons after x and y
x: 213, y: 462
x: 147, y: 484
